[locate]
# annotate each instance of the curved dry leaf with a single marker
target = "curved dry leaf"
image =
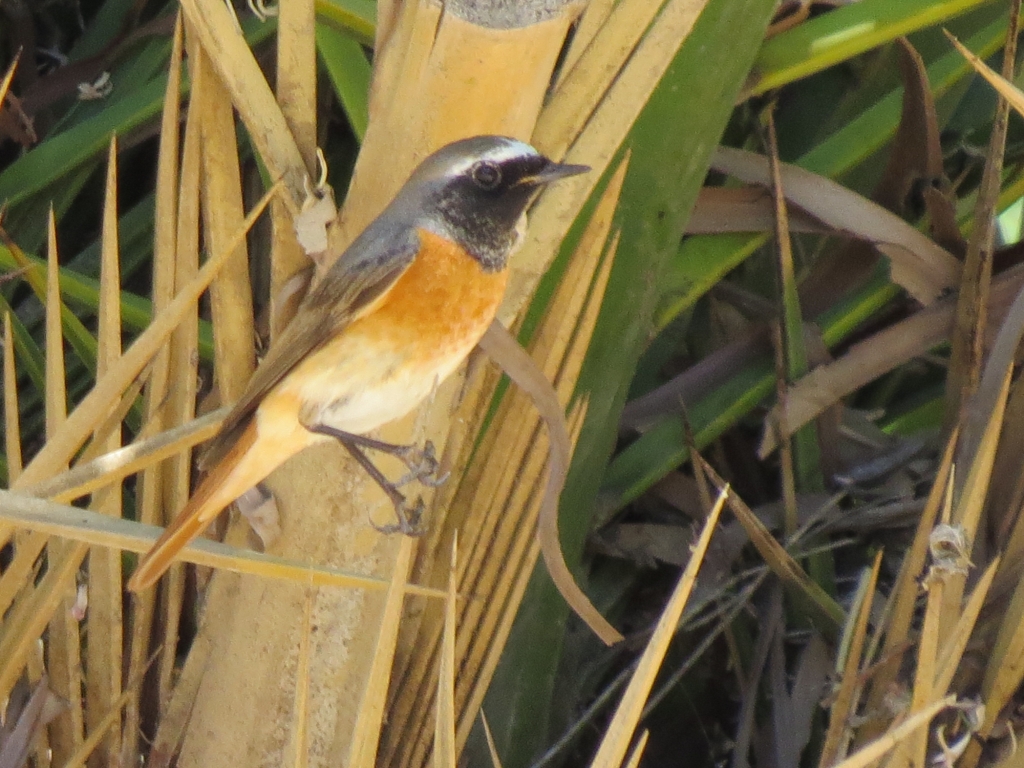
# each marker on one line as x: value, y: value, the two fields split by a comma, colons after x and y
x: 499, y: 344
x: 742, y: 209
x: 916, y: 151
x: 869, y: 359
x: 919, y: 265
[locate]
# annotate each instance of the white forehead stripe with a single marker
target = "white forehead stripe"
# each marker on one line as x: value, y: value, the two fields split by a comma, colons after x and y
x: 507, y: 150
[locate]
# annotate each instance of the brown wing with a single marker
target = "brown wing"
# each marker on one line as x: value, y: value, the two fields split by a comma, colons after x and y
x: 359, y: 277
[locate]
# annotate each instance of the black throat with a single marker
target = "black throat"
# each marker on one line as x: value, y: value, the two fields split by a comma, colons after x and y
x: 485, y: 226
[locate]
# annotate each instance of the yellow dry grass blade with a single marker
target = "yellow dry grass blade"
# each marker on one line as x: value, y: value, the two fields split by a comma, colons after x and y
x: 91, y: 528
x: 914, y: 750
x: 296, y: 74
x: 628, y: 76
x: 104, y: 728
x: 595, y: 71
x: 231, y: 303
x: 968, y: 509
x: 12, y: 422
x: 593, y: 20
x: 495, y: 634
x: 107, y: 469
x: 1003, y: 671
x: 637, y: 753
x: 63, y: 646
x: 967, y: 340
x: 182, y: 350
x: 951, y: 649
x: 873, y: 750
x: 940, y: 653
x: 29, y: 616
x: 221, y: 38
x: 149, y: 491
x: 104, y: 622
x: 38, y: 605
x: 905, y: 593
x: 90, y: 411
x: 781, y: 562
x: 445, y: 749
x: 296, y: 94
x: 56, y: 396
x: 5, y: 81
x: 491, y: 746
x: 844, y: 704
x: 300, y: 719
x: 1005, y: 88
x: 370, y: 715
x: 622, y: 726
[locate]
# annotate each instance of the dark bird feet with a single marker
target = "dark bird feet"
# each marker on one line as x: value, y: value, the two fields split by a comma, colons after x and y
x: 422, y: 465
x: 409, y: 517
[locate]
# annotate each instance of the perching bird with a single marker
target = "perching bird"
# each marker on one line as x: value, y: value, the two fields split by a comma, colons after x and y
x: 396, y: 314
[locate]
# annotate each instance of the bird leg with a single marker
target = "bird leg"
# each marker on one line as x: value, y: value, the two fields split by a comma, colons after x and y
x: 421, y: 462
x: 409, y: 516
x: 422, y: 465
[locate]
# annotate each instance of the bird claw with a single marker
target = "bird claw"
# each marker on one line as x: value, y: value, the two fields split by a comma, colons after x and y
x: 423, y: 466
x: 410, y: 518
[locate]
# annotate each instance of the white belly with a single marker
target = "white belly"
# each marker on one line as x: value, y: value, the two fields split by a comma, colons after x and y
x: 349, y: 389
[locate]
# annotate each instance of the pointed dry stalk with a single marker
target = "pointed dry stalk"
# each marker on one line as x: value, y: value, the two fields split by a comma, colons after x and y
x: 104, y: 619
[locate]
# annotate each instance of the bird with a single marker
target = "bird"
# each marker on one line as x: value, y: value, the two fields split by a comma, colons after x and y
x: 394, y: 315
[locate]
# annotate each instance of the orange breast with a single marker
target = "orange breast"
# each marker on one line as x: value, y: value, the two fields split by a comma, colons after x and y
x: 390, y: 359
x: 445, y: 300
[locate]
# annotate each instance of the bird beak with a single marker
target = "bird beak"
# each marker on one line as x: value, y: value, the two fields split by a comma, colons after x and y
x: 555, y: 171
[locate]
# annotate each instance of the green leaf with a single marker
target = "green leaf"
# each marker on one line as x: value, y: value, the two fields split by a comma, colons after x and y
x: 844, y: 33
x: 53, y: 158
x: 349, y: 73
x: 357, y: 18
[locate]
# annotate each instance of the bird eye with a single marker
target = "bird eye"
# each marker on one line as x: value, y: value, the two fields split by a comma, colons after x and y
x: 486, y: 175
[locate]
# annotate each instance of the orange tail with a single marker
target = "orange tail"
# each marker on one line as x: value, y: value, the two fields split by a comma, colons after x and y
x: 248, y: 461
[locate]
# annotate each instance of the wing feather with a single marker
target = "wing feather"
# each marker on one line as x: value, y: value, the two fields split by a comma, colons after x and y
x: 355, y: 282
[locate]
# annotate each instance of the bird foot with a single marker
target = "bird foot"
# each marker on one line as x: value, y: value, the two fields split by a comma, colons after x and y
x: 422, y: 464
x: 259, y: 507
x: 409, y: 516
